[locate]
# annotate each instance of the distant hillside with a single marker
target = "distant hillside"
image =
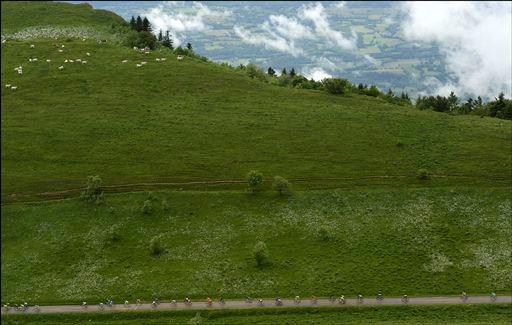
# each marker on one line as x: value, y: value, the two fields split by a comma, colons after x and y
x: 17, y: 15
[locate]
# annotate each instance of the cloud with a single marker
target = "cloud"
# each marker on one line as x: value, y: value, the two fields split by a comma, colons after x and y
x: 275, y: 42
x: 179, y: 24
x: 476, y: 39
x: 289, y: 27
x: 372, y: 60
x: 316, y: 14
x: 324, y: 62
x: 340, y: 4
x: 316, y: 73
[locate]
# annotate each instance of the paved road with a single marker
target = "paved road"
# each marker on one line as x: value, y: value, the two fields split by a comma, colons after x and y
x: 240, y: 304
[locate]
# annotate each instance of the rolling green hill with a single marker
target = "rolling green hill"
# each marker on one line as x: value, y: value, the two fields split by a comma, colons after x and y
x: 17, y: 15
x: 359, y: 219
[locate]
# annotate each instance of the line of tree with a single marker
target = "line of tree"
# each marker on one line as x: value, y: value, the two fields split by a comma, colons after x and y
x: 140, y: 24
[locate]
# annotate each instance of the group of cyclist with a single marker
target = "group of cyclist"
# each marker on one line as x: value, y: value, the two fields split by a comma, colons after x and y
x: 187, y: 301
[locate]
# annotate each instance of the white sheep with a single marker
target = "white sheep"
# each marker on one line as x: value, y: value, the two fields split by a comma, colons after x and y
x: 3, y: 41
x: 157, y: 60
x: 63, y: 46
x: 83, y: 39
x: 66, y: 61
x: 14, y: 87
x: 139, y: 65
x: 48, y: 60
x: 84, y: 62
x: 143, y: 62
x: 88, y: 54
x: 61, y: 51
x: 124, y: 61
x: 146, y: 52
x: 163, y: 59
x: 7, y: 85
x: 180, y: 57
x: 29, y: 60
x: 71, y: 61
x: 135, y: 48
x: 32, y: 46
x: 61, y: 67
x: 34, y: 60
x: 78, y: 60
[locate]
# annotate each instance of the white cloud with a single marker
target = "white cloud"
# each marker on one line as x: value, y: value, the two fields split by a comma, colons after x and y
x: 324, y: 62
x: 178, y: 23
x: 372, y: 60
x: 289, y: 27
x: 316, y: 14
x: 316, y: 73
x: 275, y: 42
x: 475, y: 37
x: 340, y: 4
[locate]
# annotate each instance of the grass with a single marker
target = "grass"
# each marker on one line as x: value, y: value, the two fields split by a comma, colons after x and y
x: 18, y: 15
x: 437, y: 241
x: 164, y: 123
x: 458, y: 314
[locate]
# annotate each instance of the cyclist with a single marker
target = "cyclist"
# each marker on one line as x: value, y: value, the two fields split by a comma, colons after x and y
x: 209, y: 301
x: 342, y: 299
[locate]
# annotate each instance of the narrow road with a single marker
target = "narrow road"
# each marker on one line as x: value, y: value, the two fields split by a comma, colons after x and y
x: 267, y: 303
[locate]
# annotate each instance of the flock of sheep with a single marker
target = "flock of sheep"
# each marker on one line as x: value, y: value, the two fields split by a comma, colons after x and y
x: 81, y: 61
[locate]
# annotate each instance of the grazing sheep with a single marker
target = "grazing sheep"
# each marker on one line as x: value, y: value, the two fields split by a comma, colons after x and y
x: 63, y: 46
x: 32, y: 46
x: 83, y: 39
x: 135, y: 48
x: 157, y: 60
x: 124, y: 61
x: 66, y: 61
x: 78, y: 60
x: 71, y: 61
x: 84, y: 62
x: 61, y: 67
x: 88, y: 54
x: 139, y: 65
x: 34, y: 60
x: 14, y: 87
x: 60, y: 51
x: 180, y: 57
x: 8, y: 86
x: 29, y: 60
x: 146, y: 52
x: 163, y: 59
x: 48, y: 60
x: 143, y: 62
x: 3, y: 41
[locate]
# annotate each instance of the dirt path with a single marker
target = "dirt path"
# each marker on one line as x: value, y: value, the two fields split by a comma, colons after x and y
x: 267, y: 303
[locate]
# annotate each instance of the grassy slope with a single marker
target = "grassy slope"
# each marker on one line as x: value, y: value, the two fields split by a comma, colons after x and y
x: 465, y: 314
x: 17, y: 15
x: 194, y: 120
x: 383, y: 239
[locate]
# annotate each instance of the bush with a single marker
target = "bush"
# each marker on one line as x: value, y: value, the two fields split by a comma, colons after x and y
x: 93, y: 191
x: 254, y: 179
x: 260, y: 253
x: 155, y: 247
x: 165, y: 205
x: 423, y: 174
x: 325, y: 233
x: 336, y: 86
x: 141, y: 39
x: 147, y: 208
x: 281, y: 185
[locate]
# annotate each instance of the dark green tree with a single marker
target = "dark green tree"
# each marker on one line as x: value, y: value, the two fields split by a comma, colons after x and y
x: 146, y: 25
x: 160, y: 36
x: 138, y: 24
x: 271, y: 72
x: 167, y: 41
x: 284, y: 73
x: 189, y: 46
x: 133, y: 23
x: 292, y: 73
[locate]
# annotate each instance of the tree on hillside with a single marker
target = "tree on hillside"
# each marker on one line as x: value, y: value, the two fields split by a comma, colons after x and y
x: 160, y: 36
x: 133, y: 23
x: 281, y: 185
x: 254, y: 179
x: 271, y: 72
x: 138, y: 24
x: 260, y: 253
x: 284, y: 73
x: 292, y: 73
x: 167, y: 41
x: 336, y: 86
x: 146, y: 25
x: 189, y: 47
x: 93, y: 191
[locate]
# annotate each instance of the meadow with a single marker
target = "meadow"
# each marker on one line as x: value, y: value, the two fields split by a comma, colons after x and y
x: 437, y: 241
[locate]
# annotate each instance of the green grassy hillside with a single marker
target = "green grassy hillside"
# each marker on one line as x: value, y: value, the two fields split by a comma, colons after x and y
x: 17, y: 15
x: 423, y: 242
x: 192, y: 120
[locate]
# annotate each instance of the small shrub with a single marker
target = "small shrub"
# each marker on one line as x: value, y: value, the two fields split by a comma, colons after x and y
x: 260, y: 253
x: 147, y: 208
x: 155, y: 247
x: 336, y: 86
x: 423, y: 174
x: 113, y: 235
x: 281, y: 185
x: 254, y: 179
x: 165, y: 205
x: 325, y: 233
x: 93, y: 191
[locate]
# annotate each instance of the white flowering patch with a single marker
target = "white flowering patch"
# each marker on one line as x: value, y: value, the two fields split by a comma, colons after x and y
x: 438, y: 263
x: 34, y: 32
